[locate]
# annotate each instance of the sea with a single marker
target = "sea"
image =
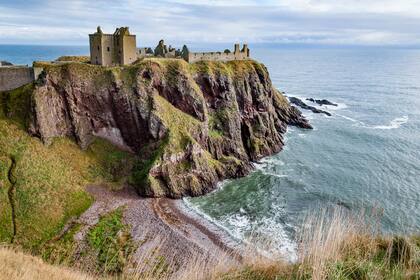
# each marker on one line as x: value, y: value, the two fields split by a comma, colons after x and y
x: 365, y: 157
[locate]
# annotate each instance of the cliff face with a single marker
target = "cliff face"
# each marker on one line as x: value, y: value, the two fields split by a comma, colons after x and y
x: 191, y: 125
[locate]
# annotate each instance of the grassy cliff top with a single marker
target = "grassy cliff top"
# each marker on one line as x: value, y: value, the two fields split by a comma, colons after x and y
x: 74, y: 58
x: 210, y: 67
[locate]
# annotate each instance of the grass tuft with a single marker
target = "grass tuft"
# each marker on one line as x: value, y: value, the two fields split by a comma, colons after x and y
x: 111, y: 241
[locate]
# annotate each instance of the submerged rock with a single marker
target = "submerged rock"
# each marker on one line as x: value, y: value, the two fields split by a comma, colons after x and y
x: 303, y: 105
x: 191, y: 125
x: 321, y: 101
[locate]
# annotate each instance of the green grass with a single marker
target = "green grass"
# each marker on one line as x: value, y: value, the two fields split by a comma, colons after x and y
x: 114, y: 166
x: 61, y: 251
x: 15, y: 104
x: 74, y: 58
x: 361, y: 259
x: 50, y: 182
x: 110, y: 240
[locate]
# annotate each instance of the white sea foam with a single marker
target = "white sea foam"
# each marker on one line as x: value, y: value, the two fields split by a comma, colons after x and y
x: 395, y: 123
x: 267, y: 230
x: 275, y: 175
x: 339, y: 106
x: 348, y: 118
x: 239, y: 226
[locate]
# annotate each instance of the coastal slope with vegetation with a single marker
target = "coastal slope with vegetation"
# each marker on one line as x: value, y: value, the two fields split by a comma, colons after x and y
x: 170, y: 129
x: 164, y: 126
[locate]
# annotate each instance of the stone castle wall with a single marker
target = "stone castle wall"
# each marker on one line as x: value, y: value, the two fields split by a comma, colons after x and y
x: 129, y: 50
x: 12, y: 77
x: 219, y: 56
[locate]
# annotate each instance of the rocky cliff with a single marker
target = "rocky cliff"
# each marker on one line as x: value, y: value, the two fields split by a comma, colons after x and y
x: 191, y: 125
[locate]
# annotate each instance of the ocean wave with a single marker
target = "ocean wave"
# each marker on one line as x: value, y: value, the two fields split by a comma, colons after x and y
x: 267, y: 235
x: 274, y: 174
x: 240, y: 227
x: 357, y: 122
x: 395, y: 123
x: 339, y: 106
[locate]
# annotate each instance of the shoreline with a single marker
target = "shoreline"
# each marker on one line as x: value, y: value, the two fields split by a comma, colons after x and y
x: 161, y: 227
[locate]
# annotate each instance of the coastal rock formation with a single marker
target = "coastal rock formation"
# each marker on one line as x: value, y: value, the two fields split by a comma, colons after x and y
x: 191, y: 125
x: 321, y: 101
x: 303, y: 105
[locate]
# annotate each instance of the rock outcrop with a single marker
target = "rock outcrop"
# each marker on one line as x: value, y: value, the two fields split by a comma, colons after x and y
x: 296, y: 101
x: 321, y: 102
x: 191, y: 125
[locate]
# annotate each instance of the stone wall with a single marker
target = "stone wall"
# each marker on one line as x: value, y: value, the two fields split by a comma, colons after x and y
x: 12, y: 77
x: 129, y: 51
x: 220, y: 56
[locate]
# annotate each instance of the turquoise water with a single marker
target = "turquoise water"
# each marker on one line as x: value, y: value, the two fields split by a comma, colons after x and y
x: 365, y: 156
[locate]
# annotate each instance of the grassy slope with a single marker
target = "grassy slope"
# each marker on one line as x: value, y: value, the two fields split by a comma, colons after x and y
x: 358, y: 257
x: 17, y: 265
x: 50, y: 180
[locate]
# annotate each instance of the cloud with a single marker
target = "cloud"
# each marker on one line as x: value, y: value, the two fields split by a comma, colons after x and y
x: 371, y: 22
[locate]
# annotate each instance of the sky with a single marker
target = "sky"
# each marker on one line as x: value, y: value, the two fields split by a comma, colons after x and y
x: 317, y: 22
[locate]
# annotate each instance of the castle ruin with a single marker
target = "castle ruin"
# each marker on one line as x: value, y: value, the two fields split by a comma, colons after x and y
x: 112, y: 49
x: 227, y: 55
x: 120, y: 49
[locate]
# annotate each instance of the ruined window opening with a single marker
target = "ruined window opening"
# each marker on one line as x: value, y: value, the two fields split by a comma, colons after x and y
x: 107, y: 48
x: 98, y: 48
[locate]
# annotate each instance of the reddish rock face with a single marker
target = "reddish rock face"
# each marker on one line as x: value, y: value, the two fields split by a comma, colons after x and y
x: 190, y: 125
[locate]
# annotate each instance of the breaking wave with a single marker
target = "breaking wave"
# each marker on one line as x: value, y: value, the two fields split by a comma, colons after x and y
x: 395, y: 123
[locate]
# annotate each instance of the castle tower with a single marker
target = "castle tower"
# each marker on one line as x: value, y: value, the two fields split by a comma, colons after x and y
x: 245, y: 50
x: 236, y: 49
x: 112, y: 49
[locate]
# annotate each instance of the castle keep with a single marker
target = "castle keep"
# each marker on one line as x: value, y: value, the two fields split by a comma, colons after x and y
x: 112, y: 49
